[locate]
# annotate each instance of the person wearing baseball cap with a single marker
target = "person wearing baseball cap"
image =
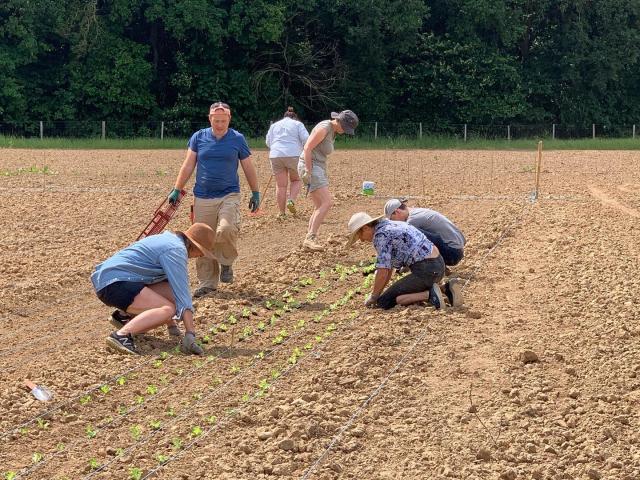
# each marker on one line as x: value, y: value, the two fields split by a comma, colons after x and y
x: 148, y: 282
x: 312, y: 168
x: 215, y: 154
x: 399, y: 245
x: 438, y: 228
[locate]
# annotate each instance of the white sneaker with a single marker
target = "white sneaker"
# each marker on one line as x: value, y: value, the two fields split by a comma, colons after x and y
x: 311, y: 243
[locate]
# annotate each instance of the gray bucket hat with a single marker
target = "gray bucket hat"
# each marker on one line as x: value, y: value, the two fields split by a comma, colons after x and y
x: 347, y: 119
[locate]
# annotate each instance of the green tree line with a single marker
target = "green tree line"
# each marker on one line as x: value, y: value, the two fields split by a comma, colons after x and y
x: 445, y: 61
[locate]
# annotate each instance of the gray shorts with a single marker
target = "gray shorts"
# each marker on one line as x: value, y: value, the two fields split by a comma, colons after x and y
x: 282, y: 164
x: 319, y: 177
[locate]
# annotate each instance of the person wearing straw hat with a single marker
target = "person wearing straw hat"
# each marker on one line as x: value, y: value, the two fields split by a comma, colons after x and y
x: 399, y: 245
x: 285, y: 140
x: 312, y: 167
x: 437, y: 228
x: 217, y: 152
x: 149, y: 282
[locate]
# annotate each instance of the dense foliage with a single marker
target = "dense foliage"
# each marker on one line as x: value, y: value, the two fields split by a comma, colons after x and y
x: 450, y: 61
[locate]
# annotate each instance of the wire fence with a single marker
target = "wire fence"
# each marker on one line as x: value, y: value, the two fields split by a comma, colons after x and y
x: 159, y: 129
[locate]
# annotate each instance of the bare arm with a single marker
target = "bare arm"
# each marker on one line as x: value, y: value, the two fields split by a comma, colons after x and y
x: 317, y: 135
x: 249, y: 170
x: 186, y: 169
x: 382, y: 278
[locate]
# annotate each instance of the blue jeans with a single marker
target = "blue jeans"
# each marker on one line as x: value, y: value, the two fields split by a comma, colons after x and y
x: 422, y: 277
x: 451, y: 256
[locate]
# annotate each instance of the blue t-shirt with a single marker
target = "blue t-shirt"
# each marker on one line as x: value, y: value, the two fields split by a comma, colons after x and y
x: 217, y: 162
x: 151, y: 260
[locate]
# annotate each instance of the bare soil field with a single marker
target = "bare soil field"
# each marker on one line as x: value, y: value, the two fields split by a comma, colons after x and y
x: 536, y: 376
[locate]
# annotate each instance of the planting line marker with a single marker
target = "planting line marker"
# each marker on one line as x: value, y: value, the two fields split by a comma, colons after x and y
x: 234, y: 379
x: 422, y: 336
x: 364, y: 404
x: 311, y: 353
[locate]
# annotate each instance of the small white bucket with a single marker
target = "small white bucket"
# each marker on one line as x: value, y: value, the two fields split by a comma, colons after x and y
x: 368, y: 188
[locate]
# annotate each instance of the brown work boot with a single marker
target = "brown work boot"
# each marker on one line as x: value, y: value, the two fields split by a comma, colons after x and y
x: 311, y: 243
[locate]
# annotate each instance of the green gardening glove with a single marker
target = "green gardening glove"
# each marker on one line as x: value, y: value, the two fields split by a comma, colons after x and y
x: 254, y: 203
x: 174, y: 196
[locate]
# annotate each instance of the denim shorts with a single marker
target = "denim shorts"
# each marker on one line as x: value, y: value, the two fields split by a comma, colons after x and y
x: 120, y: 294
x: 450, y: 255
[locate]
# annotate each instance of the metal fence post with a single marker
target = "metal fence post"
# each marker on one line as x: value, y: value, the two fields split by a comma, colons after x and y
x: 509, y: 132
x: 104, y: 129
x: 465, y: 132
x: 634, y: 131
x: 593, y: 130
x: 41, y: 130
x: 375, y: 131
x: 162, y: 130
x: 553, y: 131
x: 420, y: 130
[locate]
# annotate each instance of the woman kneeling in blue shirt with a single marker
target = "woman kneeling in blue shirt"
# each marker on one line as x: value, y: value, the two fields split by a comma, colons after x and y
x: 400, y: 245
x: 149, y: 279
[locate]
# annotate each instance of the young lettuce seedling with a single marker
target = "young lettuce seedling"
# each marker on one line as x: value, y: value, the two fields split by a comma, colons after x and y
x: 136, y: 432
x: 135, y: 473
x: 91, y: 432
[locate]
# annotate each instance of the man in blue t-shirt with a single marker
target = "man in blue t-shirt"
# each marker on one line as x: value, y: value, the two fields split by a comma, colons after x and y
x: 216, y: 152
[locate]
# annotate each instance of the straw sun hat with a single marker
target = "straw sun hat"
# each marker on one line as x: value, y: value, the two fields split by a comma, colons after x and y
x: 203, y: 237
x: 359, y: 220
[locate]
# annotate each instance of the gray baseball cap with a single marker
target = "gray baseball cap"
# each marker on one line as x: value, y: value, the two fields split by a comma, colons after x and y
x: 392, y: 205
x: 347, y: 119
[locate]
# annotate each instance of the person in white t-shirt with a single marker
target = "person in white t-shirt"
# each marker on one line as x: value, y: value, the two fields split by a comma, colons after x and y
x: 286, y: 139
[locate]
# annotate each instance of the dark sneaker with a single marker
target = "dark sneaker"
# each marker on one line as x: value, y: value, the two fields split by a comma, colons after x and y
x: 119, y: 318
x: 226, y: 274
x: 453, y: 289
x: 122, y: 343
x: 189, y: 345
x: 202, y: 291
x: 435, y: 297
x: 174, y: 331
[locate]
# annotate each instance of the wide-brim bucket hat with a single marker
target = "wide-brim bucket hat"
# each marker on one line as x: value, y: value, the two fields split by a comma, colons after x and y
x: 347, y: 120
x: 357, y: 221
x: 203, y: 237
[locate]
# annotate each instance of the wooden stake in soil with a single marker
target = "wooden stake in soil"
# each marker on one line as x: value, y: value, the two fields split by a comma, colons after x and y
x: 538, y: 170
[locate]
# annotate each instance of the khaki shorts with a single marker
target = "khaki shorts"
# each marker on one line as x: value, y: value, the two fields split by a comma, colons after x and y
x: 318, y: 178
x: 282, y: 164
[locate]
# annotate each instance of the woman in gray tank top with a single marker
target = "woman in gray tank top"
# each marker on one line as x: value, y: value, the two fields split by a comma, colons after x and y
x: 312, y: 167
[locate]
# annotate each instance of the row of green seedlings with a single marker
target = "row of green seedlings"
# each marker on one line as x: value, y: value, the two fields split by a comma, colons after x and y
x: 265, y: 384
x: 91, y: 431
x: 289, y: 303
x: 279, y: 306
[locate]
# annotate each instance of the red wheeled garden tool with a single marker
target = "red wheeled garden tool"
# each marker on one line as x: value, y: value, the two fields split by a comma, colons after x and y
x: 161, y: 217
